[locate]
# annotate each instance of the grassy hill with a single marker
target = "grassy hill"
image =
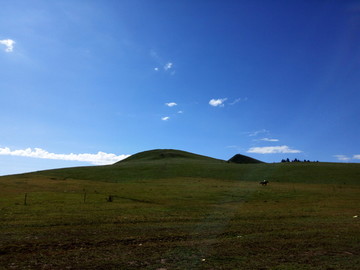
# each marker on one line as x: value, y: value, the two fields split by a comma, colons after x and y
x: 167, y: 155
x: 171, y: 209
x: 165, y: 163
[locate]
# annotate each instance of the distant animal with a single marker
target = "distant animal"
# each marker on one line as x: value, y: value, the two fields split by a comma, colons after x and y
x: 264, y: 182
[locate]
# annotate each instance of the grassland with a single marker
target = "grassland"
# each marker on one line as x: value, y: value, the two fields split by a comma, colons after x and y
x: 163, y: 218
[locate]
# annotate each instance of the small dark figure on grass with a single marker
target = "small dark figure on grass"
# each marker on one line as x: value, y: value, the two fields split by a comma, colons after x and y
x: 264, y: 182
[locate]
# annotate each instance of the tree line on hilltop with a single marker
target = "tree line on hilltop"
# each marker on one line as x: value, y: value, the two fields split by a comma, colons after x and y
x: 296, y: 160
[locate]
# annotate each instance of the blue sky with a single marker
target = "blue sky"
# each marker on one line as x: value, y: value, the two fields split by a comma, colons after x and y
x: 90, y: 82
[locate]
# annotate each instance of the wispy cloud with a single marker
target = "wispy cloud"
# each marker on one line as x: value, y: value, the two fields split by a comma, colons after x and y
x: 171, y: 104
x: 165, y: 118
x: 154, y: 55
x: 217, y: 102
x: 180, y: 112
x: 9, y: 44
x: 232, y: 146
x: 345, y: 158
x: 160, y: 62
x: 257, y: 132
x: 100, y: 158
x: 342, y: 157
x: 235, y: 147
x: 283, y: 149
x: 235, y: 101
x: 269, y: 140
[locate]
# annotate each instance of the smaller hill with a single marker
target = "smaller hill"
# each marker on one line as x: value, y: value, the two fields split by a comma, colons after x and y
x: 241, y: 159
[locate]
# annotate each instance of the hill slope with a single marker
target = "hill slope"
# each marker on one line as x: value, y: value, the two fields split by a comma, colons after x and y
x: 171, y: 164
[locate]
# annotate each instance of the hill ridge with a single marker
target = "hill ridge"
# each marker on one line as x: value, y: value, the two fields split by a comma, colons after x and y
x: 166, y: 154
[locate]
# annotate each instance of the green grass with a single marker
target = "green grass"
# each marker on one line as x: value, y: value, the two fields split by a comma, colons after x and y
x: 165, y: 164
x: 176, y: 223
x: 278, y: 172
x: 182, y: 213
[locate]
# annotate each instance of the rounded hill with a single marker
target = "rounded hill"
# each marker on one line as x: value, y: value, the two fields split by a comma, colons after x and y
x: 167, y: 155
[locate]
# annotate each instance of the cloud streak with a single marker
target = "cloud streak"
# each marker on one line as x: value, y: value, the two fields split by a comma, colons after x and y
x: 165, y: 118
x: 346, y: 158
x: 342, y: 157
x: 269, y: 140
x: 257, y: 132
x: 9, y: 44
x: 235, y: 101
x: 283, y: 149
x: 100, y: 158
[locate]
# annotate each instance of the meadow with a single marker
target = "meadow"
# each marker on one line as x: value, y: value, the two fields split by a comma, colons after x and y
x: 227, y: 221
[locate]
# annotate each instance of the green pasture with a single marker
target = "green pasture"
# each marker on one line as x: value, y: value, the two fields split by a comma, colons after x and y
x: 181, y: 212
x: 179, y: 223
x: 314, y: 173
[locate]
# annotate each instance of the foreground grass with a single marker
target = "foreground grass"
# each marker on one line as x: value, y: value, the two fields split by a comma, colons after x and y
x: 177, y: 223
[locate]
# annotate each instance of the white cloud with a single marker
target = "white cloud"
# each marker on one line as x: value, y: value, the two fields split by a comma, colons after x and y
x: 156, y: 69
x: 269, y: 140
x: 217, y: 102
x: 9, y: 43
x: 165, y: 118
x: 171, y: 104
x: 356, y: 157
x: 100, y: 158
x: 168, y: 66
x: 180, y: 112
x: 273, y: 150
